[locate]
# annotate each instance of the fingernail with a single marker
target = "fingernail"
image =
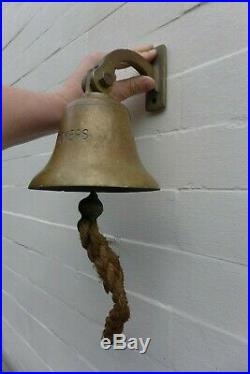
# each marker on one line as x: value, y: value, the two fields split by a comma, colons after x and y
x: 145, y: 47
x: 152, y: 51
x: 149, y: 83
x: 150, y: 46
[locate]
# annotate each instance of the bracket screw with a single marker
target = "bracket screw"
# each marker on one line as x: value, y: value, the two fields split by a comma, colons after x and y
x: 107, y: 80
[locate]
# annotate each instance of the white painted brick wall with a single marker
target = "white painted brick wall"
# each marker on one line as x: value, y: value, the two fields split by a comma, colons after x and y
x: 184, y: 251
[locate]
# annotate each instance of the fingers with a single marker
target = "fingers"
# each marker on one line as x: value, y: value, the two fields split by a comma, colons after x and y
x: 125, y: 88
x: 144, y: 48
x: 149, y: 55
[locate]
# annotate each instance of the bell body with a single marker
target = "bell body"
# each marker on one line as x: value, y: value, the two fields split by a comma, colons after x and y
x: 95, y: 150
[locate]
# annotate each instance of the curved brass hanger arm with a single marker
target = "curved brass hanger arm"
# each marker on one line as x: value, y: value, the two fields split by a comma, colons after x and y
x: 102, y: 76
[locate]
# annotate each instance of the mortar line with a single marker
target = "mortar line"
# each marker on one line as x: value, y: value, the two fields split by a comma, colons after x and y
x: 131, y: 241
x: 25, y: 341
x: 45, y: 327
x: 62, y: 47
x: 227, y: 125
x: 149, y: 300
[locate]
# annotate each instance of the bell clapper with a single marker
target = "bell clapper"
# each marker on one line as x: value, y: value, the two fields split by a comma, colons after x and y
x: 106, y: 263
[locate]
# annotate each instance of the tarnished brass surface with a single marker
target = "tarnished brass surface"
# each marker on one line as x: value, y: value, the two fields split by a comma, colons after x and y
x: 95, y: 150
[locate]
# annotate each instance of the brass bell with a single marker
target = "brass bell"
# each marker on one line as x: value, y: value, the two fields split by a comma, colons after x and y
x: 95, y: 151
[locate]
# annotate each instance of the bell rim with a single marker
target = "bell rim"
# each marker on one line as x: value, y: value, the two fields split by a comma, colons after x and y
x: 109, y: 189
x: 65, y: 174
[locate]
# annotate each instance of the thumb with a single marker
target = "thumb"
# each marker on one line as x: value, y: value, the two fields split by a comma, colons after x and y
x: 129, y: 87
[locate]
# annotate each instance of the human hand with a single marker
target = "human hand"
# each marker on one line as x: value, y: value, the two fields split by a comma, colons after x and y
x: 121, y: 90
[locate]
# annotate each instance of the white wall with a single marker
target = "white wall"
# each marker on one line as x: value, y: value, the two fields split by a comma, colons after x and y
x: 184, y: 249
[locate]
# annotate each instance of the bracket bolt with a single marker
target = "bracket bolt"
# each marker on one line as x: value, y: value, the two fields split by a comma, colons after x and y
x: 107, y: 80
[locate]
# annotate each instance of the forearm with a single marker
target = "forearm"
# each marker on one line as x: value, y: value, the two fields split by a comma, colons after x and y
x: 28, y: 115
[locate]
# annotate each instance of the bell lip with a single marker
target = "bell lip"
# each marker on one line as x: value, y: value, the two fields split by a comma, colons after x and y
x: 109, y: 189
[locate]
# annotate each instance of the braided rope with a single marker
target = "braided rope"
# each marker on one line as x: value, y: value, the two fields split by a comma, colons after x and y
x: 106, y: 263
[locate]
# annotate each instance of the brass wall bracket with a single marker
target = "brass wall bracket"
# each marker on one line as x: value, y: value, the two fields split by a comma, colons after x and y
x: 102, y: 76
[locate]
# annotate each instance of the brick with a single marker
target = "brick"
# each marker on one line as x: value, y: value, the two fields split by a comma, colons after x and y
x: 57, y: 354
x: 218, y: 103
x: 209, y: 95
x: 86, y: 294
x: 183, y: 249
x: 196, y: 285
x: 14, y: 256
x: 215, y: 93
x: 58, y: 67
x: 72, y: 327
x: 41, y: 145
x: 20, y: 16
x: 197, y: 348
x: 41, y: 241
x: 236, y: 13
x: 180, y: 36
x: 188, y: 48
x: 19, y: 321
x: 210, y: 290
x: 18, y: 171
x: 40, y: 23
x: 64, y: 31
x: 211, y: 223
x: 138, y: 23
x: 208, y: 158
x: 19, y: 353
